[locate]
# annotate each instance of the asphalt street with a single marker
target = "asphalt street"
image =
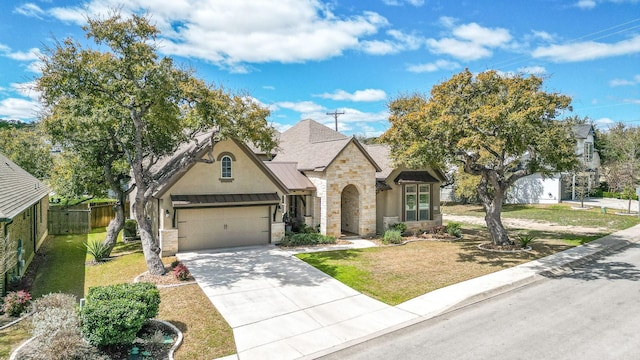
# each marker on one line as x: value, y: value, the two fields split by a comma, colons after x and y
x: 589, y: 312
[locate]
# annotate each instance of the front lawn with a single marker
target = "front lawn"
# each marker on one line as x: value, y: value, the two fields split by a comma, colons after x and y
x: 561, y: 214
x: 64, y: 266
x: 396, y: 274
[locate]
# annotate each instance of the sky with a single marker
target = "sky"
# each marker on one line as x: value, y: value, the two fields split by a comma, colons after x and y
x: 307, y: 58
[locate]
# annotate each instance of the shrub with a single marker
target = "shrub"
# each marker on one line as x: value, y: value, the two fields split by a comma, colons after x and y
x: 181, y: 272
x: 454, y: 229
x: 307, y: 239
x: 525, y: 239
x: 54, y: 301
x: 392, y: 237
x: 438, y: 230
x: 174, y: 263
x: 98, y: 250
x: 114, y: 314
x: 16, y: 302
x: 402, y: 227
x: 130, y: 228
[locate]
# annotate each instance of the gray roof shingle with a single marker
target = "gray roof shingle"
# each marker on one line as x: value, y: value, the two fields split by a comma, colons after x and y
x: 18, y: 189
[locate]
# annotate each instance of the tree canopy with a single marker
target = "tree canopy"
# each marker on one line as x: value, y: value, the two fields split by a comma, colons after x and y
x: 26, y: 146
x: 499, y: 127
x: 139, y: 107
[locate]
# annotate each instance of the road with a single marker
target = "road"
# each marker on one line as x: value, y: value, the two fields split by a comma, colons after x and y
x: 590, y: 313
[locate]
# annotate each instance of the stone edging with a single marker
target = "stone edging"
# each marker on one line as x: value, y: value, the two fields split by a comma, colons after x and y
x: 160, y: 286
x: 174, y: 347
x: 526, y: 249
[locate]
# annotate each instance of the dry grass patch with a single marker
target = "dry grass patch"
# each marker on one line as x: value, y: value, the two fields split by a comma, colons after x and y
x: 395, y: 274
x: 12, y: 337
x: 206, y: 334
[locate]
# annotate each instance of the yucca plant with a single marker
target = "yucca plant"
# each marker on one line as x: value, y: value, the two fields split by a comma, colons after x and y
x: 98, y: 250
x: 525, y: 239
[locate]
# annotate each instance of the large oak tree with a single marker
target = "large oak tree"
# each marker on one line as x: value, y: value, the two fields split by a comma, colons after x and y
x: 499, y: 127
x: 141, y: 107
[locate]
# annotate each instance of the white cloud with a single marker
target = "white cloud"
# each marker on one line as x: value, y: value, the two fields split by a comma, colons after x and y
x: 232, y: 33
x: 543, y: 35
x: 434, y: 66
x: 30, y: 10
x: 586, y: 4
x: 358, y: 95
x: 301, y: 106
x: 625, y: 82
x: 588, y: 50
x: 402, y: 2
x: 533, y: 70
x: 21, y: 109
x: 469, y: 41
x: 30, y: 55
x: 27, y: 89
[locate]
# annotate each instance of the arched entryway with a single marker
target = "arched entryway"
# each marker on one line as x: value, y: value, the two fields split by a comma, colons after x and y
x: 350, y: 209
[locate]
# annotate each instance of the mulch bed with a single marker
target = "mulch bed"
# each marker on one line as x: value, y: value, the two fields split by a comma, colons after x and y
x: 164, y: 280
x: 502, y: 248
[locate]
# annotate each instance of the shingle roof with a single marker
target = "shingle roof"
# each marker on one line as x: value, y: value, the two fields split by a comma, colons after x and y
x: 18, y: 189
x: 582, y: 131
x: 312, y: 145
x: 381, y: 154
x: 288, y: 173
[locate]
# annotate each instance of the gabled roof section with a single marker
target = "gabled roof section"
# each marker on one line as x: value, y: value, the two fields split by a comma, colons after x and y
x: 381, y: 153
x: 314, y: 146
x: 18, y: 189
x: 582, y: 131
x: 164, y: 187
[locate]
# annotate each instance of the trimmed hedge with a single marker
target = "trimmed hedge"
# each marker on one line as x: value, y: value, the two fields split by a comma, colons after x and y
x: 114, y: 314
x: 300, y: 239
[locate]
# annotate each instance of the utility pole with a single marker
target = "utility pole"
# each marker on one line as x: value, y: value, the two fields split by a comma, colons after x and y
x: 335, y: 116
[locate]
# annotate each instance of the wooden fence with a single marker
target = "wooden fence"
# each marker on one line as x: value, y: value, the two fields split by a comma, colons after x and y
x: 80, y: 219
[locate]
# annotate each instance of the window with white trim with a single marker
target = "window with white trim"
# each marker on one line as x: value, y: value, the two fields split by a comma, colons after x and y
x: 417, y: 198
x: 226, y: 167
x: 588, y: 151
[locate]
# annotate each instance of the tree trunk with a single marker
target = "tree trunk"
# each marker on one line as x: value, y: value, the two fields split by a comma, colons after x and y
x: 115, y: 226
x: 494, y: 223
x: 150, y: 246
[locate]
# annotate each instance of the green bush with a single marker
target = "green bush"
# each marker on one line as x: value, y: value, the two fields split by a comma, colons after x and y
x: 402, y: 227
x: 130, y: 228
x: 15, y: 302
x: 454, y: 229
x: 97, y: 249
x: 114, y: 314
x: 525, y: 239
x: 307, y: 239
x: 392, y: 237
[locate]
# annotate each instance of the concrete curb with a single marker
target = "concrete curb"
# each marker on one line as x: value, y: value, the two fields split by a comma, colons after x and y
x: 513, y: 278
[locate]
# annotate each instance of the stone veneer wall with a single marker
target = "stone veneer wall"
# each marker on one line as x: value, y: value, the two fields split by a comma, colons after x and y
x: 169, y: 242
x: 277, y: 232
x: 350, y: 167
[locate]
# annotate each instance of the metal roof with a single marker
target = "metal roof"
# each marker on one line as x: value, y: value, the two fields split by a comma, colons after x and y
x: 289, y: 175
x: 414, y: 177
x: 222, y: 200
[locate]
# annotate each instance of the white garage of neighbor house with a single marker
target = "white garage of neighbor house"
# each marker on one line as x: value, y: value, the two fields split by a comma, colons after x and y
x: 233, y: 201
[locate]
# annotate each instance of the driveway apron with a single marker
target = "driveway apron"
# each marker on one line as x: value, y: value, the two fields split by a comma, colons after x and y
x: 282, y: 308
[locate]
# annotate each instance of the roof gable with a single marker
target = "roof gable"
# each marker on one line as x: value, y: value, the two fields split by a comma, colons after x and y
x: 19, y: 189
x: 582, y: 131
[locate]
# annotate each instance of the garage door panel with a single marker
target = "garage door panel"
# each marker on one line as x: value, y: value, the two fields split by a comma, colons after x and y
x: 222, y: 227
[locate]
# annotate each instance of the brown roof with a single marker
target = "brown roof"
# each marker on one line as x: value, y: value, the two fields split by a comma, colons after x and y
x: 18, y: 189
x: 289, y: 175
x: 313, y: 146
x: 221, y: 200
x: 414, y: 177
x: 381, y: 153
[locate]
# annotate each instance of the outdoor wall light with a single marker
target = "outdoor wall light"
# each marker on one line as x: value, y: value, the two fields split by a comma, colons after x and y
x: 167, y: 213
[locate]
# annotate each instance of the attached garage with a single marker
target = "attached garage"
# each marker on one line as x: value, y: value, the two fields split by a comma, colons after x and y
x: 218, y: 221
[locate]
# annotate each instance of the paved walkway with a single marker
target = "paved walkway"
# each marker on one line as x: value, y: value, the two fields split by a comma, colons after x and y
x: 619, y: 204
x: 281, y: 308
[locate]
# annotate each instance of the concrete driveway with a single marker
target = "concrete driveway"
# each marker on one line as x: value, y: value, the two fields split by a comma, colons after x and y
x: 281, y: 308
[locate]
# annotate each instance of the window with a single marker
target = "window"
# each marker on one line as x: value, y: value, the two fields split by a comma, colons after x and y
x: 226, y: 167
x: 416, y: 202
x: 588, y: 151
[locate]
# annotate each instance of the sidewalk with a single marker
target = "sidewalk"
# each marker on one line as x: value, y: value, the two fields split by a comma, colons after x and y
x: 471, y: 291
x: 618, y: 204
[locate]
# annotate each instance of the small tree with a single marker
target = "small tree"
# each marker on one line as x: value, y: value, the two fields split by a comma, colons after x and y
x: 621, y: 157
x: 500, y: 128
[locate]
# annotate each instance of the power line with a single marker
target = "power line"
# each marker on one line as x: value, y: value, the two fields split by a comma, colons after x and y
x: 335, y: 116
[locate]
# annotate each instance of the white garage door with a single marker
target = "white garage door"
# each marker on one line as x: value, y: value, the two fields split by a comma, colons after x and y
x: 209, y: 228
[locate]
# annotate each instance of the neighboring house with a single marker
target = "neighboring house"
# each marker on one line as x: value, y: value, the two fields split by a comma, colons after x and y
x: 24, y: 202
x: 317, y: 177
x: 534, y: 189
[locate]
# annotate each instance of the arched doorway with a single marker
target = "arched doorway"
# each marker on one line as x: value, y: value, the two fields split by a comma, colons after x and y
x: 350, y: 209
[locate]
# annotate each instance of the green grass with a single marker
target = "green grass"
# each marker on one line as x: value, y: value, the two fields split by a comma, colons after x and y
x: 65, y: 266
x: 560, y: 214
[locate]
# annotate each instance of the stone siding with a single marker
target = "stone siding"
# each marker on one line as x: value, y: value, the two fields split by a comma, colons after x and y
x: 169, y: 242
x: 277, y: 232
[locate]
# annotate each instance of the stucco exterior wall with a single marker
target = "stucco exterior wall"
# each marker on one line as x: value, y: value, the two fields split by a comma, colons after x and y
x: 205, y: 178
x: 350, y: 167
x: 390, y: 204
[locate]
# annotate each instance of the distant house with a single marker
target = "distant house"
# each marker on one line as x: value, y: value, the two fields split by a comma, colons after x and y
x: 24, y: 202
x: 317, y: 177
x: 534, y: 189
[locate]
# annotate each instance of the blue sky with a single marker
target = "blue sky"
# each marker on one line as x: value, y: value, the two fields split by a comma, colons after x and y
x: 305, y: 58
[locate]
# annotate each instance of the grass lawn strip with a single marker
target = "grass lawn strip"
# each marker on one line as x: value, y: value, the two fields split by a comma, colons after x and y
x: 65, y: 267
